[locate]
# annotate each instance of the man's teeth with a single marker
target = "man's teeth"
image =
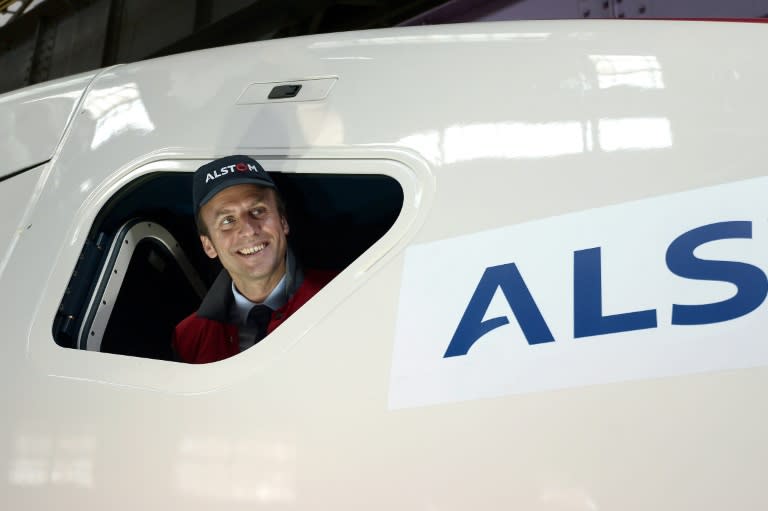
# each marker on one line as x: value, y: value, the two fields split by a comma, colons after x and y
x: 252, y: 250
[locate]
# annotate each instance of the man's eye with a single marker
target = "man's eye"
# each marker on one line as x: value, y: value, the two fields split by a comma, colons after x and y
x: 257, y: 211
x: 227, y: 220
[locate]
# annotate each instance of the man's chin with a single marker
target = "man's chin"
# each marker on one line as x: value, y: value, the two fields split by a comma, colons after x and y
x: 261, y: 274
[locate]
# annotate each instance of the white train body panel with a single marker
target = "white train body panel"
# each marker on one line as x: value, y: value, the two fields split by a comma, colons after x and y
x: 527, y: 143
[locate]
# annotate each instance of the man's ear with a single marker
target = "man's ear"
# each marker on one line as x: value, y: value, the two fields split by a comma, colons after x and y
x: 286, y: 227
x: 208, y: 247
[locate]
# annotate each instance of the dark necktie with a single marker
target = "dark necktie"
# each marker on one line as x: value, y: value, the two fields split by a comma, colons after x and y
x: 259, y: 318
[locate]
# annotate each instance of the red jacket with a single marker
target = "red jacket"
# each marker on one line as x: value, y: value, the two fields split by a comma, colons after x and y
x: 207, y: 336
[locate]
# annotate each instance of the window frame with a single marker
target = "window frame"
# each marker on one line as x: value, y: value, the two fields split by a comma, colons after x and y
x: 408, y: 169
x: 113, y: 271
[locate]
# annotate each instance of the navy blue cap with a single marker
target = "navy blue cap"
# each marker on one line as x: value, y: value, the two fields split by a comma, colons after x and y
x: 222, y: 173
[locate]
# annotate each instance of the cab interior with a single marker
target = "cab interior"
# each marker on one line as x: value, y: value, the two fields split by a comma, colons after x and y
x: 142, y: 268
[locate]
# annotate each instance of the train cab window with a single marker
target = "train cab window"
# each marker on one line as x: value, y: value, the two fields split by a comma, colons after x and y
x: 142, y: 269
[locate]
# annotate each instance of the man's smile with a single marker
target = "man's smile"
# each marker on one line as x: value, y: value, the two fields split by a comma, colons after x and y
x: 253, y: 249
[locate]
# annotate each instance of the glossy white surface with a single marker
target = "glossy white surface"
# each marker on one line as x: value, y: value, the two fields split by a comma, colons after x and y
x: 16, y: 194
x: 33, y: 120
x: 485, y: 126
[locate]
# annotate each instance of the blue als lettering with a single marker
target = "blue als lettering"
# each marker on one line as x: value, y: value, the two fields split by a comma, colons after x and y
x: 588, y: 319
x: 750, y: 280
x: 472, y: 327
x: 588, y: 316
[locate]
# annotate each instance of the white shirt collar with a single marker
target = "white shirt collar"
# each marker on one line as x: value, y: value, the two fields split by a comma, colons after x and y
x: 274, y: 301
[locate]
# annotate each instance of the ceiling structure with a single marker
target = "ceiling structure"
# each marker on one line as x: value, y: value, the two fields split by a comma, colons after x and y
x: 62, y: 37
x: 45, y: 39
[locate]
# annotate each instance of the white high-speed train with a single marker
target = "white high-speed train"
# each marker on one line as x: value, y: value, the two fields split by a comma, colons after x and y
x: 552, y: 240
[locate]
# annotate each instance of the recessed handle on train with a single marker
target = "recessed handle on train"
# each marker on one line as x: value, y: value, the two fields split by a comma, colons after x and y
x: 284, y: 91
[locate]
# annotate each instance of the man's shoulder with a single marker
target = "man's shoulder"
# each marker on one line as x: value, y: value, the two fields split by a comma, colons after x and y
x: 192, y: 327
x: 315, y: 279
x: 199, y: 339
x: 191, y: 321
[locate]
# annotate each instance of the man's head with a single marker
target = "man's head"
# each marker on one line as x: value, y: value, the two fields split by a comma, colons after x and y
x: 241, y: 220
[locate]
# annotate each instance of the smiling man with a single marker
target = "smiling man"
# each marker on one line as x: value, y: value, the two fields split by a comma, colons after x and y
x: 241, y: 220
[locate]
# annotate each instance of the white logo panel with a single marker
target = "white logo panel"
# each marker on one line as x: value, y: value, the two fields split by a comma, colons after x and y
x: 659, y: 287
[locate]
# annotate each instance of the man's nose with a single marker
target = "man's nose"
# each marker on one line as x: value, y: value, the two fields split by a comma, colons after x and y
x: 249, y: 225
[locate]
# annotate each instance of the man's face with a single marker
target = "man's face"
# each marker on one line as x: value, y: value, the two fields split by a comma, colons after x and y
x: 248, y: 235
